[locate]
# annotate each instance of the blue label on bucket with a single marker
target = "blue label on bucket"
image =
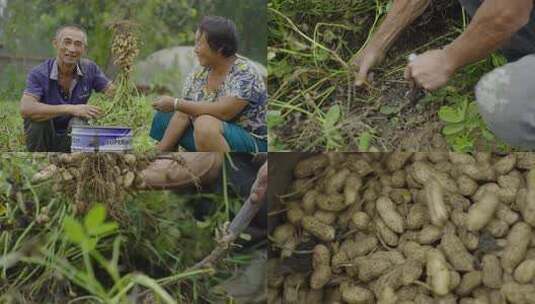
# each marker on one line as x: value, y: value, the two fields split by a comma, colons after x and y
x: 103, y: 139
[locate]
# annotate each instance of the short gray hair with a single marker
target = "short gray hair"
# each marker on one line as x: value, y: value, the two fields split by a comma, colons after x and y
x: 71, y: 26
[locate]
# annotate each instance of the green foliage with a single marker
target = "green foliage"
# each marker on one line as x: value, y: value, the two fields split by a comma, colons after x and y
x: 331, y: 134
x: 463, y: 125
x: 364, y: 141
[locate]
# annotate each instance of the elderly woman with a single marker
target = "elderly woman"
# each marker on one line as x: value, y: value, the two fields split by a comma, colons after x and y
x: 224, y: 101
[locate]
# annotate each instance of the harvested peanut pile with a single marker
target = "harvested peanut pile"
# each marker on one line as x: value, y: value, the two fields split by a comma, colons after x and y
x: 406, y: 228
x: 98, y: 177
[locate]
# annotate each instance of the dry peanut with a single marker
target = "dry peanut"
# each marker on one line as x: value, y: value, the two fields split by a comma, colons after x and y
x: 492, y: 271
x: 429, y: 234
x: 352, y: 187
x: 505, y: 164
x: 399, y: 179
x: 397, y: 160
x: 469, y: 281
x: 518, y: 241
x: 294, y: 213
x: 309, y: 201
x: 456, y: 253
x: 353, y: 294
x: 318, y: 229
x: 435, y: 203
x: 387, y: 235
x: 310, y: 166
x: 481, y: 212
x: 525, y: 271
x: 467, y: 186
x: 518, y: 293
x: 387, y: 211
x: 325, y: 217
x: 497, y: 228
x: 437, y: 272
x: 417, y: 216
x: 361, y: 220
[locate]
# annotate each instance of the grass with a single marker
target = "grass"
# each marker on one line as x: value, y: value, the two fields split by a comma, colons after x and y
x: 314, y: 105
x: 11, y: 128
x: 91, y: 259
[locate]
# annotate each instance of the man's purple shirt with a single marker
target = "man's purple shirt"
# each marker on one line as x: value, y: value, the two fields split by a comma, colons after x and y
x: 42, y: 82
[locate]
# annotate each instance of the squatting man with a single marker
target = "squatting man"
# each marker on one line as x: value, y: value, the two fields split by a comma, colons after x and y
x: 506, y: 96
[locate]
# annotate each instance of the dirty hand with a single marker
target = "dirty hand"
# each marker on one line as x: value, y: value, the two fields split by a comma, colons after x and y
x: 363, y: 62
x: 164, y: 104
x: 85, y: 111
x: 430, y: 70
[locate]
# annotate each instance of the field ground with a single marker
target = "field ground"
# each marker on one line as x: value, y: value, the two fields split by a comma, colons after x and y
x: 314, y: 106
x: 42, y: 259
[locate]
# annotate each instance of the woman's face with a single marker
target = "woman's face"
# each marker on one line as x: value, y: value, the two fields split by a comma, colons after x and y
x: 205, y: 54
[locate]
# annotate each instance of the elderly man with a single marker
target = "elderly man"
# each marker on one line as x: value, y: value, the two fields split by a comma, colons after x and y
x: 57, y: 91
x: 505, y: 96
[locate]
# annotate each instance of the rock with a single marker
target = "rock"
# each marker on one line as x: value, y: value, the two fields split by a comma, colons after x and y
x: 170, y: 67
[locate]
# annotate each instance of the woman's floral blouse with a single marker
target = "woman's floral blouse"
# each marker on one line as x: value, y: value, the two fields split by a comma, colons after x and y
x: 243, y: 82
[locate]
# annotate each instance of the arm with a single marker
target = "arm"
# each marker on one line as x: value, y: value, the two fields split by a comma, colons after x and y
x: 31, y: 108
x: 225, y: 108
x: 401, y: 15
x: 109, y: 91
x: 493, y: 25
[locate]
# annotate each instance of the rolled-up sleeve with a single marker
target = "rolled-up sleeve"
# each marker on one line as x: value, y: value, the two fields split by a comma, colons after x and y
x: 100, y: 81
x: 246, y: 85
x: 34, y: 85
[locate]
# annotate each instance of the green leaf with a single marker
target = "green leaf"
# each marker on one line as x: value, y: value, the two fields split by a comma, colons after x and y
x: 389, y: 110
x: 274, y: 119
x: 73, y: 230
x: 332, y: 117
x: 450, y: 115
x: 89, y: 244
x: 322, y: 55
x: 453, y: 129
x: 204, y: 224
x: 364, y: 141
x: 95, y: 217
x: 487, y: 135
x: 103, y: 229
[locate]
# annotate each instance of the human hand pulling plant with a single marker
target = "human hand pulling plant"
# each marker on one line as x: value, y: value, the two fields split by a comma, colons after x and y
x: 496, y: 25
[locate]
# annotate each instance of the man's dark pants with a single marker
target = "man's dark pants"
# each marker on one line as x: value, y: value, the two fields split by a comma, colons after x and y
x: 506, y: 95
x: 42, y: 136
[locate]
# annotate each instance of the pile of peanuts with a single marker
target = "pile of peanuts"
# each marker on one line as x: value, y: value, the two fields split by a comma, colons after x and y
x: 404, y: 227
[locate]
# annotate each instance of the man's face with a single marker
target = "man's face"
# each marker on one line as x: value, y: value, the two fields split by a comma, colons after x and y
x: 205, y: 54
x: 70, y: 45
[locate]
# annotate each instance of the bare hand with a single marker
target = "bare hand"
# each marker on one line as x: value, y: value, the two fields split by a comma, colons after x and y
x: 85, y: 111
x: 164, y: 104
x: 430, y: 70
x: 363, y: 62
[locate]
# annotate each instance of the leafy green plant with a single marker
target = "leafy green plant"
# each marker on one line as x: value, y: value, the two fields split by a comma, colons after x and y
x: 331, y: 134
x: 86, y: 236
x: 463, y: 124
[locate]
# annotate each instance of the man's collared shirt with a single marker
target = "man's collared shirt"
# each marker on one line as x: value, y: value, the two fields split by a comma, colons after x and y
x: 42, y: 83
